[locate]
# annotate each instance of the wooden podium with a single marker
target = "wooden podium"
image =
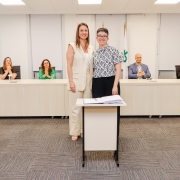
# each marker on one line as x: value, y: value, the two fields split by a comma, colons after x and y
x: 100, y: 126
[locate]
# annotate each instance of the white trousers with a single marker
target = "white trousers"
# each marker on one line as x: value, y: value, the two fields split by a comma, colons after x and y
x: 75, y: 112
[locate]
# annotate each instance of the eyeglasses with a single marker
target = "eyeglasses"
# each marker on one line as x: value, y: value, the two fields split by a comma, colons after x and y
x: 101, y: 36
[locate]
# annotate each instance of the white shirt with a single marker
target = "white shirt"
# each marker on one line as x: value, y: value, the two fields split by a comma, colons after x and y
x: 87, y: 61
x: 139, y: 69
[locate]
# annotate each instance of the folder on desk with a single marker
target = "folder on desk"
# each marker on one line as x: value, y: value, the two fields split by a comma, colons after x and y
x: 114, y: 99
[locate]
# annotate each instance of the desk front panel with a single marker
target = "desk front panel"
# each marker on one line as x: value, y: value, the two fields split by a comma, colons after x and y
x: 32, y: 99
x: 100, y: 128
x: 146, y: 98
x: 50, y: 97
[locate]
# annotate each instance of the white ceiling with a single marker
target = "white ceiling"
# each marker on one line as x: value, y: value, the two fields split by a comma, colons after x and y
x: 72, y: 7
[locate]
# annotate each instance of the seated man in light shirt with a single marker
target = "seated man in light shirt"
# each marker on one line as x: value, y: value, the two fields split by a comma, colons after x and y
x: 138, y: 70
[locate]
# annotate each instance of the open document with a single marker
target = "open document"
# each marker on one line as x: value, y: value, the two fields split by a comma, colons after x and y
x: 114, y: 99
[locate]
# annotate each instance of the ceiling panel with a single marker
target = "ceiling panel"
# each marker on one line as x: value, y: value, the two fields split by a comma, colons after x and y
x: 115, y: 1
x: 89, y: 7
x: 20, y: 9
x: 66, y: 8
x: 41, y: 7
x: 159, y: 8
x: 175, y: 8
x: 69, y: 2
x: 136, y: 7
x: 141, y: 1
x: 114, y: 7
x: 3, y: 9
x: 72, y: 7
x: 36, y: 1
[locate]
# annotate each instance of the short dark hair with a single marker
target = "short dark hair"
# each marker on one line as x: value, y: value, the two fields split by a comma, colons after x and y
x: 103, y: 30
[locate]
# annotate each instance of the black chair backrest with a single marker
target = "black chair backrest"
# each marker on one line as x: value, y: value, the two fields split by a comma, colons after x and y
x: 177, y: 71
x: 18, y: 71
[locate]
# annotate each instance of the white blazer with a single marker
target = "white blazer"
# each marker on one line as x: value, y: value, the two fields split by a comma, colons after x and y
x: 79, y: 67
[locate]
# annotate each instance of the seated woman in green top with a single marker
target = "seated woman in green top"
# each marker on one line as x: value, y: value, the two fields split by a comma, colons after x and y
x: 46, y: 71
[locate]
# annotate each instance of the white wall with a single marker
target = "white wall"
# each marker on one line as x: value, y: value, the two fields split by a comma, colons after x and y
x: 142, y: 38
x: 46, y: 40
x: 115, y: 26
x: 142, y: 34
x: 14, y: 42
x: 169, y: 41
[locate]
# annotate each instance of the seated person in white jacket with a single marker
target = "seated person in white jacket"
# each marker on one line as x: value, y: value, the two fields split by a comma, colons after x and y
x: 138, y: 70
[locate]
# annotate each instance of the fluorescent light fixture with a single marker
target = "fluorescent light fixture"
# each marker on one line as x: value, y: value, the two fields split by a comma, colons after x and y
x: 166, y: 1
x: 89, y: 1
x: 12, y: 2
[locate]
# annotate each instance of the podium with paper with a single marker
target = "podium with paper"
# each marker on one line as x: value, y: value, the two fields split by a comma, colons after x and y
x: 101, y: 120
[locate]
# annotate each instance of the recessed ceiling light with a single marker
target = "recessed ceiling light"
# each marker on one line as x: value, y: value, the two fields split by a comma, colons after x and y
x: 89, y: 1
x: 166, y: 1
x: 12, y: 2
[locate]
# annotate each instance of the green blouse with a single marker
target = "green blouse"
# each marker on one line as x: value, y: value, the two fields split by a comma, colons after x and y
x: 41, y: 74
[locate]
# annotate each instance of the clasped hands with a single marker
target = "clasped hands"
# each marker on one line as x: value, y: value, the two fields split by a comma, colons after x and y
x: 8, y: 70
x: 141, y: 73
x: 46, y: 73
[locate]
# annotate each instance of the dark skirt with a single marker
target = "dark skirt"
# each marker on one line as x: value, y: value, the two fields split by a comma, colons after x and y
x: 103, y: 86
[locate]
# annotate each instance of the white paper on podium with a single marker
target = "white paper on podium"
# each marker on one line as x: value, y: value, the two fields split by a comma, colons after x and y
x: 93, y: 101
x: 114, y: 99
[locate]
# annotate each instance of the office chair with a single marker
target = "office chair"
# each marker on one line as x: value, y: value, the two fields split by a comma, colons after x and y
x: 18, y: 71
x: 177, y: 71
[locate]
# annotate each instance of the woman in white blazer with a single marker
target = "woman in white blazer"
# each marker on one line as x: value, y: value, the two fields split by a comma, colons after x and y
x: 79, y: 68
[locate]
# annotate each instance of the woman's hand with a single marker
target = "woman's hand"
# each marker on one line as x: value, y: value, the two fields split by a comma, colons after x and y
x: 9, y: 69
x: 46, y: 72
x: 6, y: 71
x: 72, y: 87
x: 114, y: 90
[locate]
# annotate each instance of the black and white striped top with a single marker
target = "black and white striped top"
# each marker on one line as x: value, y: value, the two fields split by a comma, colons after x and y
x: 104, y: 60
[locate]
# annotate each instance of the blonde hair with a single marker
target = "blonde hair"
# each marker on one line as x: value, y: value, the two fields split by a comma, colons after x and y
x: 4, y: 63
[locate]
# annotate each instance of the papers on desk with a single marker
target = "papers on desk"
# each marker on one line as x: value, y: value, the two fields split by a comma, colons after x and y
x: 12, y: 81
x: 114, y: 99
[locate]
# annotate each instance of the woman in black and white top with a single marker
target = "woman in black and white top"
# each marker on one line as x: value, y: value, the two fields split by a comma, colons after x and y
x: 107, y: 67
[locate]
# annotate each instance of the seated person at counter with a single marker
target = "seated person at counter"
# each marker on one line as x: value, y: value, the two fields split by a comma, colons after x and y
x: 138, y: 70
x: 7, y: 69
x: 46, y: 71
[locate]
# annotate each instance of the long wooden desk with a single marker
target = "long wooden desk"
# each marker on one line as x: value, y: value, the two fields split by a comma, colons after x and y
x: 151, y: 97
x: 33, y: 98
x: 50, y: 97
